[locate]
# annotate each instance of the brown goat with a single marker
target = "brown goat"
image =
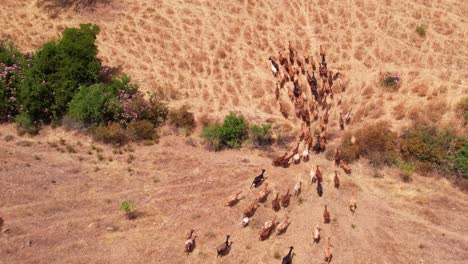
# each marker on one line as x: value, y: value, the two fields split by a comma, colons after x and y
x: 283, y: 110
x: 278, y: 161
x: 275, y: 203
x: 326, y: 215
x: 328, y: 254
x: 337, y: 157
x: 267, y: 228
x: 336, y: 180
x: 346, y: 167
x: 233, y: 199
x: 353, y: 202
x: 285, y: 199
x: 262, y: 195
x: 318, y: 174
x: 250, y: 210
x: 190, y: 242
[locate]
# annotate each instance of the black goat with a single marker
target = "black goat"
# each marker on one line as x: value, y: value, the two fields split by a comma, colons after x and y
x: 258, y: 180
x: 288, y: 258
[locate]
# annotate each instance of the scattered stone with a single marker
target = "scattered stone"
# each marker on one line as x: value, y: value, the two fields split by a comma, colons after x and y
x: 7, y: 231
x: 110, y: 229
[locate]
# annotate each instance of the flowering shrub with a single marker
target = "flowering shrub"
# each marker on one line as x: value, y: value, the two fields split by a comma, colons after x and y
x: 11, y: 74
x: 391, y: 79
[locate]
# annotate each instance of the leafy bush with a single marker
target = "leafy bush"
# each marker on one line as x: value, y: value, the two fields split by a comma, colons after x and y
x: 231, y: 134
x: 25, y: 125
x: 391, y: 79
x: 462, y: 110
x: 157, y: 111
x: 349, y: 149
x: 261, y: 134
x: 12, y: 66
x: 112, y: 133
x: 57, y: 70
x: 182, y: 118
x: 140, y: 130
x: 421, y: 30
x: 461, y: 160
x: 406, y: 171
x: 378, y: 143
x: 128, y: 207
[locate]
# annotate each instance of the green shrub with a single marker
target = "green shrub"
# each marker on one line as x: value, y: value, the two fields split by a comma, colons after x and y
x: 57, y: 70
x: 260, y: 135
x: 231, y: 134
x: 25, y: 125
x: 182, y: 118
x: 128, y: 207
x: 140, y: 130
x: 112, y: 133
x: 158, y: 111
x: 378, y: 143
x: 349, y: 149
x: 421, y: 30
x: 461, y: 160
x: 462, y: 110
x: 12, y: 66
x: 212, y: 134
x: 406, y: 171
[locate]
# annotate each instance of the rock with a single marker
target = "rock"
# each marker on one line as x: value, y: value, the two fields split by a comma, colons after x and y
x: 7, y: 231
x: 110, y: 229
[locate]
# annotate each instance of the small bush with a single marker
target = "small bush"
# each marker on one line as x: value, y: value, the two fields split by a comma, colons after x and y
x: 391, y: 79
x: 182, y: 118
x: 406, y: 171
x: 112, y: 133
x: 261, y: 135
x: 157, y: 111
x: 461, y: 160
x: 231, y: 134
x: 378, y: 143
x: 349, y: 149
x: 421, y: 30
x: 128, y: 207
x: 25, y: 125
x: 140, y: 130
x: 462, y: 110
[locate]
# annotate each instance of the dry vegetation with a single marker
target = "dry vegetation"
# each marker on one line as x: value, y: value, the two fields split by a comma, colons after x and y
x: 61, y: 192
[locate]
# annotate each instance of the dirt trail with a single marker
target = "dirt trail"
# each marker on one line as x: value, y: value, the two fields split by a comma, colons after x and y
x: 68, y: 208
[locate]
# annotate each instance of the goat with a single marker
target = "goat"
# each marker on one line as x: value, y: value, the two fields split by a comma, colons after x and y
x: 297, y: 188
x: 262, y: 195
x: 348, y: 116
x: 291, y: 53
x: 274, y: 67
x: 245, y: 221
x: 283, y: 110
x: 233, y: 199
x: 1, y: 223
x: 250, y: 210
x: 190, y: 242
x: 317, y: 234
x: 285, y: 199
x: 277, y: 91
x: 305, y: 153
x: 353, y: 202
x: 319, y: 189
x: 337, y: 157
x: 267, y: 228
x: 283, y: 225
x: 318, y: 174
x: 336, y: 180
x: 326, y: 215
x: 288, y: 258
x: 328, y: 254
x: 258, y: 180
x: 341, y: 121
x: 346, y: 167
x: 224, y: 248
x: 275, y: 203
x: 278, y: 161
x: 313, y: 179
x: 296, y: 156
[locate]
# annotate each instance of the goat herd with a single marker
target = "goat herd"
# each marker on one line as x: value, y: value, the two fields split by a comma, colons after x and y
x: 289, y: 73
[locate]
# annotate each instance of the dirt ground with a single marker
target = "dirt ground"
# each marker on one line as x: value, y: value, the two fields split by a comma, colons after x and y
x: 63, y: 207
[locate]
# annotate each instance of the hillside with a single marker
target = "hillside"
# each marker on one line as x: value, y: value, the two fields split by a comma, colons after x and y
x: 61, y: 191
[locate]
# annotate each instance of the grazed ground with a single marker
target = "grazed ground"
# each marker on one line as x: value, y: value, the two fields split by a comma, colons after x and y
x: 62, y: 207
